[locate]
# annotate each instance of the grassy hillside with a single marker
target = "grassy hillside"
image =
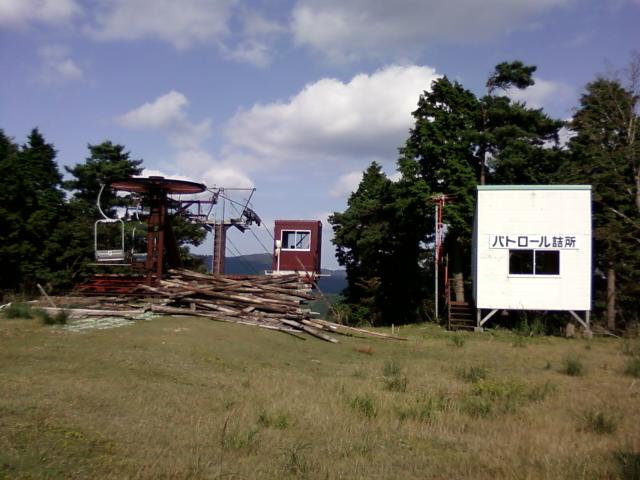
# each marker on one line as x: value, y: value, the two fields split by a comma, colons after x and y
x: 193, y: 398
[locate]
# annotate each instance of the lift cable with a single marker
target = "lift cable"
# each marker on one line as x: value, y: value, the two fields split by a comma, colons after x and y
x: 241, y: 257
x: 254, y: 234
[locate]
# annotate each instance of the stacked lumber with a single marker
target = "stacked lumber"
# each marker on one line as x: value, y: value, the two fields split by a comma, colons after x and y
x: 272, y: 302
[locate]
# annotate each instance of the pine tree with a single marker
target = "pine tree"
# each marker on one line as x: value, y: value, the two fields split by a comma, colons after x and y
x: 32, y: 206
x: 605, y: 152
x: 376, y: 243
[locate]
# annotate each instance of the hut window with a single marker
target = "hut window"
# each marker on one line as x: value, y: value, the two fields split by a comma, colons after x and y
x: 296, y: 240
x: 534, y: 262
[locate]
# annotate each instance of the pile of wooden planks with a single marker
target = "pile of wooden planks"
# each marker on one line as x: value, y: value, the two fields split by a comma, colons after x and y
x: 272, y: 302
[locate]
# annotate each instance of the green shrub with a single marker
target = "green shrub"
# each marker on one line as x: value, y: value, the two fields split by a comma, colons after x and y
x: 458, y: 340
x: 17, y: 310
x: 365, y: 406
x: 598, y: 421
x: 396, y: 384
x: 533, y: 329
x: 573, y: 367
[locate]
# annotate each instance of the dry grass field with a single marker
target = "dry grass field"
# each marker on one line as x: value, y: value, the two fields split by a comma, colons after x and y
x: 193, y: 398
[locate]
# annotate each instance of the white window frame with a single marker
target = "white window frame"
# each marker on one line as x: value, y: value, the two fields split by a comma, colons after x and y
x: 295, y: 232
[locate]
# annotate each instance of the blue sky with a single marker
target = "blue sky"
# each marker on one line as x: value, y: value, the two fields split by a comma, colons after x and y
x: 294, y: 97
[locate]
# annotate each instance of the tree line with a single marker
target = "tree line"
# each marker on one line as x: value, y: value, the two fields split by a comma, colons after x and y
x: 384, y: 238
x: 46, y: 221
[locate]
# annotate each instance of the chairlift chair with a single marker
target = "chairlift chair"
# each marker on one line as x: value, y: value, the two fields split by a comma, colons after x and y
x: 108, y: 256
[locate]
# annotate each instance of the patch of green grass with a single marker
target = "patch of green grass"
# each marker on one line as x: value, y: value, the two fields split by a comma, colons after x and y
x: 397, y: 383
x: 519, y: 341
x: 423, y: 411
x: 17, y: 310
x: 240, y: 439
x: 502, y: 396
x: 472, y: 374
x: 364, y: 405
x: 278, y: 421
x: 632, y: 367
x: 598, y: 421
x: 85, y: 405
x: 573, y: 366
x: 457, y: 340
x: 391, y: 368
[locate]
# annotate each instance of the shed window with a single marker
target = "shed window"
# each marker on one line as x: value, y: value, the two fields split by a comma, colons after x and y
x: 296, y: 240
x: 534, y: 262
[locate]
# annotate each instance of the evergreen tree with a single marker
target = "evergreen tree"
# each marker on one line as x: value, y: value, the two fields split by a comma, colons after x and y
x: 605, y: 152
x: 379, y: 249
x: 32, y: 205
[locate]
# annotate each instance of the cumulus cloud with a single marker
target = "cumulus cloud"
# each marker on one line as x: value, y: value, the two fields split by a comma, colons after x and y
x: 543, y: 93
x: 367, y: 117
x: 168, y: 113
x: 346, y: 184
x: 253, y: 52
x: 57, y: 66
x: 345, y: 30
x: 23, y: 12
x: 213, y: 173
x: 180, y: 23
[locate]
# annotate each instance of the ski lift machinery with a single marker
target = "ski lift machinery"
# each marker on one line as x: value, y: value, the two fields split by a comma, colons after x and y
x: 159, y: 234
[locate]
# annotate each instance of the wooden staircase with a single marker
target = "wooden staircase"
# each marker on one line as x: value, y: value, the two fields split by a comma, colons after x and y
x: 462, y: 316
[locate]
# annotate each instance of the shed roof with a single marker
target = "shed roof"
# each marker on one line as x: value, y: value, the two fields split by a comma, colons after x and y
x: 534, y: 187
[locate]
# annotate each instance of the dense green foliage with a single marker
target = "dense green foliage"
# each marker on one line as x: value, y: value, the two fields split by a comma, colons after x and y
x: 378, y: 239
x: 31, y: 209
x: 606, y: 153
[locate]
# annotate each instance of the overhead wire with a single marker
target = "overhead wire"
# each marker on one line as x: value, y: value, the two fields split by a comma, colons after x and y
x: 254, y: 234
x: 241, y: 257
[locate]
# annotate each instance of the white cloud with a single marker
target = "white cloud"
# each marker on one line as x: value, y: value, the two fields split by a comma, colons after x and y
x: 255, y: 24
x: 543, y: 93
x: 346, y: 184
x: 213, y: 173
x: 346, y: 30
x: 252, y: 52
x: 199, y: 166
x: 23, y: 12
x: 369, y: 117
x: 167, y: 113
x: 57, y: 66
x: 180, y: 23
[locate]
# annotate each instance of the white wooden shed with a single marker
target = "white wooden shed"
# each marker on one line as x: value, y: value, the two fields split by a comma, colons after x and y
x: 532, y: 249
